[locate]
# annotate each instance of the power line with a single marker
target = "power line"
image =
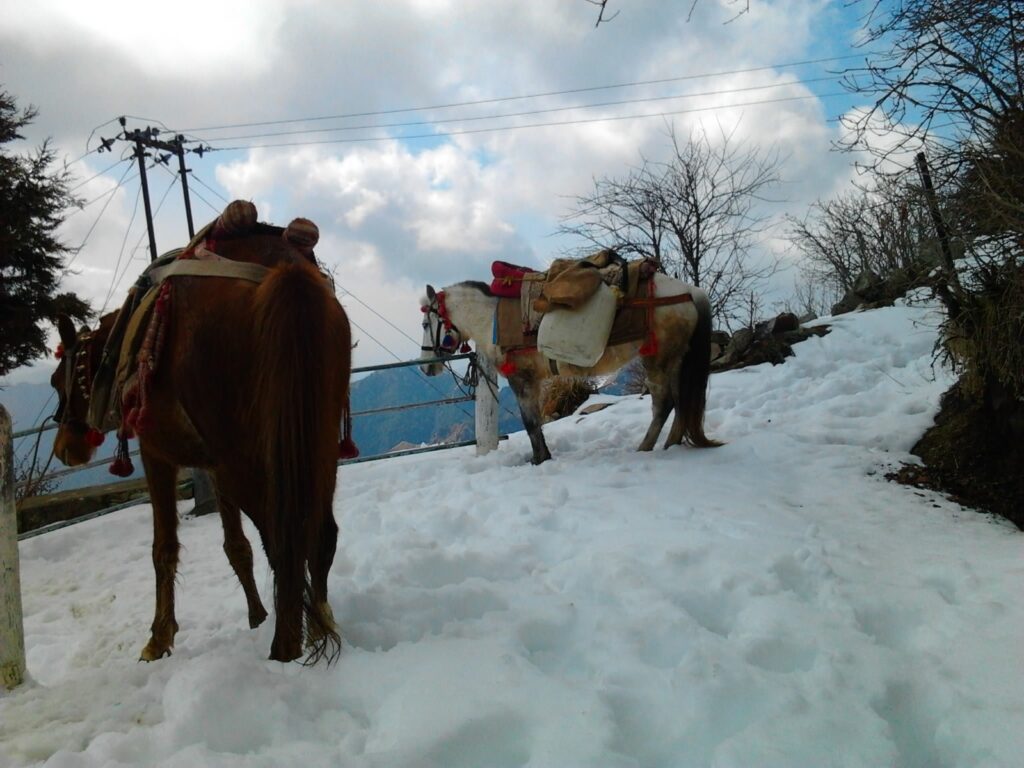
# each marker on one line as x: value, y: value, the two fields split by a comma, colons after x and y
x: 138, y: 242
x: 96, y: 221
x: 580, y: 121
x: 96, y: 175
x: 520, y: 97
x: 527, y: 113
x: 208, y: 204
x: 375, y: 312
x: 218, y: 194
x: 120, y: 255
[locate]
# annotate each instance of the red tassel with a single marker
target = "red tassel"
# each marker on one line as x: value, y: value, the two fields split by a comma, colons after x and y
x: 59, y: 351
x: 507, y: 368
x: 94, y: 438
x: 347, y: 448
x: 122, y: 464
x: 122, y: 467
x: 465, y: 347
x: 650, y: 347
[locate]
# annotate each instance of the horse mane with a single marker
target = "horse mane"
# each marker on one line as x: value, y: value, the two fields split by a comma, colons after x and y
x: 484, y: 288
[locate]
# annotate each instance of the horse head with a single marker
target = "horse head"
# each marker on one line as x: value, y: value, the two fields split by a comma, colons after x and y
x: 78, y: 354
x: 438, y: 337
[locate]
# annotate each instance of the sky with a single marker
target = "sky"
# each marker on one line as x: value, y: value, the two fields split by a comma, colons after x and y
x: 774, y: 602
x: 426, y: 138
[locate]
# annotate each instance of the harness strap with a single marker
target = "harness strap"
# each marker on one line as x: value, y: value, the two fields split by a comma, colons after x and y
x: 658, y: 301
x: 240, y: 270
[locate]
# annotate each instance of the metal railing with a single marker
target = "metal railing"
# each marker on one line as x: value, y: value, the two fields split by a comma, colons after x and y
x: 480, y: 440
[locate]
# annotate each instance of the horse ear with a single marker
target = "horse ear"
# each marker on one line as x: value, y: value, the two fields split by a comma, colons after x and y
x: 66, y: 329
x: 430, y: 292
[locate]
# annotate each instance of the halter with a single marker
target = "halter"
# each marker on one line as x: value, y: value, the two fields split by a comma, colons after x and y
x: 451, y: 339
x: 77, y: 374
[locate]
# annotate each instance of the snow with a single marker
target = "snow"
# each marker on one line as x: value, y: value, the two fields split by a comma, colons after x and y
x: 773, y: 602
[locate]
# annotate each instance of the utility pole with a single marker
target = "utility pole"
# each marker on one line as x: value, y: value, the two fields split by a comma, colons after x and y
x: 147, y: 138
x: 203, y: 494
x: 949, y: 290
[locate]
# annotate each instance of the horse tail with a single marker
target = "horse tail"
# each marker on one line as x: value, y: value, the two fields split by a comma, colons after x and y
x: 302, y: 351
x: 693, y: 377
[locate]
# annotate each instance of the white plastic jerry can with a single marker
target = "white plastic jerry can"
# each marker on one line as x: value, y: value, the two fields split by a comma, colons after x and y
x: 578, y: 336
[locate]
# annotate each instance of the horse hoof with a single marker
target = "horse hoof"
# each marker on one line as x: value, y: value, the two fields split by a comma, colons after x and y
x: 257, y: 617
x: 152, y: 653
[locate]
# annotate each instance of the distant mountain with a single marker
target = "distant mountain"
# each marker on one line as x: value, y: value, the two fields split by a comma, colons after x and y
x: 382, y: 432
x: 29, y: 404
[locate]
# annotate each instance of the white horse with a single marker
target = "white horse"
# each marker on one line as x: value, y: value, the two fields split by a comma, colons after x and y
x: 677, y: 370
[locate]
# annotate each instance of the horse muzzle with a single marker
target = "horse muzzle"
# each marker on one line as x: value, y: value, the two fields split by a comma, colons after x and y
x: 72, y: 446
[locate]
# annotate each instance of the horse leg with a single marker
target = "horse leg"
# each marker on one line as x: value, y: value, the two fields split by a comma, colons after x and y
x: 239, y: 552
x: 161, y: 478
x: 527, y: 391
x: 662, y: 402
x: 675, y: 433
x: 320, y: 559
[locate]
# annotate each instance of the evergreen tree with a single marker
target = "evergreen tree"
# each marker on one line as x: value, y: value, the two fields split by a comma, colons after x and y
x: 33, y: 198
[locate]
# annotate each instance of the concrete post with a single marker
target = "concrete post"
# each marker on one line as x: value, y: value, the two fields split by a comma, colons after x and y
x: 204, y: 498
x: 12, y: 629
x: 486, y: 406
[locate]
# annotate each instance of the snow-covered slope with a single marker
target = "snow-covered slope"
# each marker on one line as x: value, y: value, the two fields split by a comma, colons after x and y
x: 773, y: 602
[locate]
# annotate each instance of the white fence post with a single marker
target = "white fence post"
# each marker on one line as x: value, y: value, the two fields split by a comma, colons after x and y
x: 12, y: 630
x: 486, y: 406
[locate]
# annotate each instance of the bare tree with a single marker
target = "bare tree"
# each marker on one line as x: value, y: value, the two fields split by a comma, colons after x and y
x: 696, y: 214
x: 943, y: 74
x: 743, y: 7
x: 948, y: 75
x: 881, y: 229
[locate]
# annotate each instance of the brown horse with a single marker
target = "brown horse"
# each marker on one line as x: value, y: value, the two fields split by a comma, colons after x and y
x: 251, y: 382
x: 676, y: 371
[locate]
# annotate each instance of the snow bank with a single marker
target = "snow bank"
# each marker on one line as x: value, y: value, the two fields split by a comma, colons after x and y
x: 773, y: 602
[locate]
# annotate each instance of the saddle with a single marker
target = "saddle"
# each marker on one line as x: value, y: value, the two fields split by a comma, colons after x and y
x: 569, y: 284
x: 131, y: 351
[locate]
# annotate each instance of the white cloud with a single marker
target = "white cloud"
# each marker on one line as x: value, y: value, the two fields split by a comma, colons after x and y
x: 191, y: 38
x: 414, y: 211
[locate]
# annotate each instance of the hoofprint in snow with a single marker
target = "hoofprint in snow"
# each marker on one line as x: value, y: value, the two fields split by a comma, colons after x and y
x: 773, y: 602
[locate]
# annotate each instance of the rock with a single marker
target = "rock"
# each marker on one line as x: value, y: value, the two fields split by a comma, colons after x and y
x: 721, y: 338
x: 868, y: 285
x: 784, y: 321
x: 741, y: 341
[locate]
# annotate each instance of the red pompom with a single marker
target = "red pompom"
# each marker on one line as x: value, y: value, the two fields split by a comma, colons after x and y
x: 59, y: 351
x: 94, y: 438
x: 650, y: 347
x: 507, y: 368
x: 122, y: 466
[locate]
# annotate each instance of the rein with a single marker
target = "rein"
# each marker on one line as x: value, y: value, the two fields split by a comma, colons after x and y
x: 443, y: 344
x: 77, y: 374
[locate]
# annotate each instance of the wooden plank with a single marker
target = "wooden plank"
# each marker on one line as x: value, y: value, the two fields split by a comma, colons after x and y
x: 39, y: 511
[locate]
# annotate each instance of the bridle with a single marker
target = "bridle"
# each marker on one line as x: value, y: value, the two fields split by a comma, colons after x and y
x: 446, y: 338
x: 77, y: 375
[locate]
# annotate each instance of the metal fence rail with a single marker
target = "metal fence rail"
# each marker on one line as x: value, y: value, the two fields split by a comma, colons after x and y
x: 482, y: 441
